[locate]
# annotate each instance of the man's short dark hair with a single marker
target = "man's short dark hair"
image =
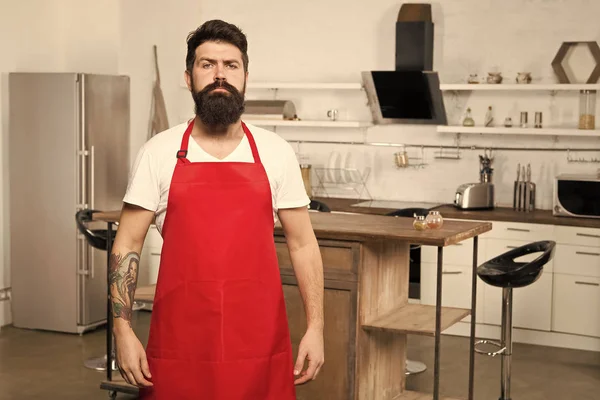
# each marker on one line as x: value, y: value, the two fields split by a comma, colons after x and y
x: 216, y: 31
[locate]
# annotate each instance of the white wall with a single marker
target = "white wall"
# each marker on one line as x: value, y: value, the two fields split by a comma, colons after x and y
x: 332, y: 41
x: 51, y: 36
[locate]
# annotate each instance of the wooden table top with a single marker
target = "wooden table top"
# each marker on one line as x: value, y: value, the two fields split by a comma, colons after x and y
x: 364, y: 227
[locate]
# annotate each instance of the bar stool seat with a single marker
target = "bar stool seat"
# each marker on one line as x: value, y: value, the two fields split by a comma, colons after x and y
x: 504, y: 272
x: 97, y: 238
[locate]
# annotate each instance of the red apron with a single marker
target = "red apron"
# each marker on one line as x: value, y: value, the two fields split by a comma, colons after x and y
x: 219, y: 328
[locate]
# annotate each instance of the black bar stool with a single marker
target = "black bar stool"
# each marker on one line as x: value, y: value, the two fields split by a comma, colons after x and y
x: 503, y: 271
x: 98, y: 239
x: 317, y: 205
x: 413, y: 367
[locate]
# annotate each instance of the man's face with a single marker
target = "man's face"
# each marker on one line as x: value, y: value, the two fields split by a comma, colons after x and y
x: 218, y: 84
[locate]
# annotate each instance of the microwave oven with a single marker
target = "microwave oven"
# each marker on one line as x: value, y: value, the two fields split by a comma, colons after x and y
x: 576, y: 196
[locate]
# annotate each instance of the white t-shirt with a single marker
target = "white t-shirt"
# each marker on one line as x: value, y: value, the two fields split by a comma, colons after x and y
x: 150, y: 177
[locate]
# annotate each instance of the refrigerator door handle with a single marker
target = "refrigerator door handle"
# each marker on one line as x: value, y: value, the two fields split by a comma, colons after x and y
x: 92, y: 180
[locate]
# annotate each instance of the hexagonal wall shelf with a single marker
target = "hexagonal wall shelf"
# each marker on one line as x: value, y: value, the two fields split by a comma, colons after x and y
x: 562, y: 52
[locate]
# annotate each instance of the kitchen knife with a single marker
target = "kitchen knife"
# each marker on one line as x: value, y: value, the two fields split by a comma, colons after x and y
x: 516, y: 188
x: 522, y: 188
x: 527, y: 180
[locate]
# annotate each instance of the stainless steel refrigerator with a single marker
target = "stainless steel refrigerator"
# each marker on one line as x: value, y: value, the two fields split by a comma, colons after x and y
x: 68, y: 150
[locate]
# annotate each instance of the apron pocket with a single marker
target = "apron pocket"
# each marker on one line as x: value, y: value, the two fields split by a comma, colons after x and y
x: 202, y: 320
x: 254, y: 320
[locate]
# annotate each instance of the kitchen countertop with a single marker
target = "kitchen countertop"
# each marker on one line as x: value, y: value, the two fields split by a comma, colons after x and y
x: 363, y: 227
x: 382, y: 207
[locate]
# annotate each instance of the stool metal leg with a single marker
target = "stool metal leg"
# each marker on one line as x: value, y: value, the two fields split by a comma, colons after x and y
x: 507, y: 300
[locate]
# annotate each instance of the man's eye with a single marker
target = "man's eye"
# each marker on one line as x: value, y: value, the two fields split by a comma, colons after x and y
x: 232, y: 66
x: 206, y: 65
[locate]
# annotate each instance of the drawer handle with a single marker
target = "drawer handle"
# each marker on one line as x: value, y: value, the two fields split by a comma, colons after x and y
x: 451, y: 272
x: 518, y: 230
x: 155, y: 254
x: 587, y: 283
x: 588, y: 235
x: 585, y: 253
x: 458, y: 244
x: 512, y: 247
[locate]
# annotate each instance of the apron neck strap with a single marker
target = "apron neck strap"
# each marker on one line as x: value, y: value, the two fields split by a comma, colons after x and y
x: 252, y: 143
x: 182, y: 153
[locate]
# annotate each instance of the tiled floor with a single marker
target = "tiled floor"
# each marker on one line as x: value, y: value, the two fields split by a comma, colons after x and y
x: 42, y: 365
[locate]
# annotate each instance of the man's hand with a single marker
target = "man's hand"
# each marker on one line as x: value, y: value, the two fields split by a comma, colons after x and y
x: 132, y: 361
x: 311, y: 349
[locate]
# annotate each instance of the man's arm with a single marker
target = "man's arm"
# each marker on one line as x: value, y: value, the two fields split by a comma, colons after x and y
x: 124, y: 263
x: 308, y: 268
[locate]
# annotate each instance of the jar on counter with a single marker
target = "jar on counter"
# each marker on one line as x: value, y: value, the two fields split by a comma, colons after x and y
x: 434, y: 220
x: 587, y: 109
x: 305, y: 169
x: 419, y: 223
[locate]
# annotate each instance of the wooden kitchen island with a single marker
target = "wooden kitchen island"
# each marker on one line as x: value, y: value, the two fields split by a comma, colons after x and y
x: 367, y: 313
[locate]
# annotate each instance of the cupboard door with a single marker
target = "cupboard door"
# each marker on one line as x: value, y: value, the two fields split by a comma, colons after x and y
x: 576, y: 305
x: 456, y: 287
x: 532, y: 305
x: 336, y: 377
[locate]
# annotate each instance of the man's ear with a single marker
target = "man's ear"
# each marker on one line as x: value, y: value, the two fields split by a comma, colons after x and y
x: 188, y: 79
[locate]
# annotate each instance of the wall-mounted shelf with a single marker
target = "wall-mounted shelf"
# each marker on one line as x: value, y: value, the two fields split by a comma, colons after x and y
x: 518, y: 87
x: 309, y: 124
x: 308, y: 85
x: 520, y: 131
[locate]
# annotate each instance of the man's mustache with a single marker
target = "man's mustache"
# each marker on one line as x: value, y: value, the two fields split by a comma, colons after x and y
x: 219, y: 85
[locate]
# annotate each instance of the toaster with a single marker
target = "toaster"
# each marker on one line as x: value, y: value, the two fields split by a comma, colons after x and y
x: 475, y: 196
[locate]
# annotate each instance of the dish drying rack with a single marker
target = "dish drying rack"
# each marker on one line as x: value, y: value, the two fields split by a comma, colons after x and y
x: 571, y: 159
x: 346, y: 179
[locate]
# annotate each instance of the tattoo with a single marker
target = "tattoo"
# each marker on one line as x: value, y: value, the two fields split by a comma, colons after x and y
x: 123, y: 281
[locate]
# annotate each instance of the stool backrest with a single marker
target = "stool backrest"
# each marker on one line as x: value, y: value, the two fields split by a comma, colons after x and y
x: 546, y: 247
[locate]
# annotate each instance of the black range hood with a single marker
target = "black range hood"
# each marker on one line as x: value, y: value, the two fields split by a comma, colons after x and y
x: 411, y: 94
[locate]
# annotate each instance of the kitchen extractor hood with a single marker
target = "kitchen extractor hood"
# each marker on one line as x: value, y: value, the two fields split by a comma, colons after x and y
x: 411, y: 93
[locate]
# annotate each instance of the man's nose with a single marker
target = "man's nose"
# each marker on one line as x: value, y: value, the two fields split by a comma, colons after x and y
x: 220, y: 72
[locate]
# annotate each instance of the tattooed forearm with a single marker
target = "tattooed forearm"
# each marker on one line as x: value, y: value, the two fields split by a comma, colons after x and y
x: 123, y: 281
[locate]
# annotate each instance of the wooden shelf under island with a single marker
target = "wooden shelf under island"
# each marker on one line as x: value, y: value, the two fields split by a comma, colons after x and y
x: 367, y: 314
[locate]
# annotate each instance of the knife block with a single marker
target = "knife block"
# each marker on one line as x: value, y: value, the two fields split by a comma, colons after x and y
x: 524, y: 196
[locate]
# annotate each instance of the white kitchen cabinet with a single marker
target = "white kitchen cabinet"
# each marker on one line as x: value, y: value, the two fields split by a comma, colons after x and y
x: 456, y: 254
x: 532, y: 305
x: 578, y: 236
x: 576, y: 305
x: 520, y: 231
x: 577, y: 260
x: 456, y: 287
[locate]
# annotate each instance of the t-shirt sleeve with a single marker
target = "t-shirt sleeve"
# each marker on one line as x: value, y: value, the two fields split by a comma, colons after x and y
x: 143, y: 187
x: 291, y: 193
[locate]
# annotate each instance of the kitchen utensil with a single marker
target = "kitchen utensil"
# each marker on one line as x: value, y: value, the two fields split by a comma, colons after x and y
x: 528, y: 189
x: 516, y: 188
x: 523, y: 184
x: 332, y: 114
x: 401, y: 157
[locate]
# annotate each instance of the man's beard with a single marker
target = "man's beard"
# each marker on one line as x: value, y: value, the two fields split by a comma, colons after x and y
x: 218, y: 110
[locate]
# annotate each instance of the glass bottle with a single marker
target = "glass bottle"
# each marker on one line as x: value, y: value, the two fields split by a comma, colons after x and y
x: 419, y: 223
x: 587, y: 109
x: 434, y: 220
x: 468, y: 121
x: 305, y: 169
